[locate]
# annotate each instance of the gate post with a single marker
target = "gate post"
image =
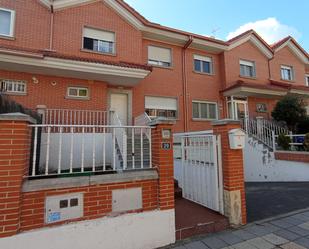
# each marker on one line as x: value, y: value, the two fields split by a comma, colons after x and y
x: 162, y: 159
x: 233, y: 174
x: 15, y: 143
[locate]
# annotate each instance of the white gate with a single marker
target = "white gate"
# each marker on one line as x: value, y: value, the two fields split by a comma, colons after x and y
x: 201, y: 179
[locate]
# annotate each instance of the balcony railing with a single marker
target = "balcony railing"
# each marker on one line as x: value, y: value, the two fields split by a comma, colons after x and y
x: 88, y: 149
x: 75, y: 117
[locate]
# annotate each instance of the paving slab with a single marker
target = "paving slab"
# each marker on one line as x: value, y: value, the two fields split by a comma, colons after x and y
x: 243, y: 245
x: 303, y: 242
x: 244, y: 234
x: 196, y: 245
x: 304, y: 225
x: 261, y: 243
x: 287, y: 235
x: 281, y: 223
x: 214, y: 242
x: 292, y: 245
x: 275, y: 239
x: 229, y: 238
x: 299, y: 230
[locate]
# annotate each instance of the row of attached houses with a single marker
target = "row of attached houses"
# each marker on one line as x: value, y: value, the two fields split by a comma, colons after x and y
x: 103, y: 55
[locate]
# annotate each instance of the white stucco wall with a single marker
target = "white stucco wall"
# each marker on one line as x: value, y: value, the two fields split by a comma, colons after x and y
x: 131, y: 231
x: 77, y: 150
x: 261, y: 165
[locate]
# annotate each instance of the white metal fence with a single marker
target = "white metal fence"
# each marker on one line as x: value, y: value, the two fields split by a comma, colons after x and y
x: 296, y: 144
x: 263, y: 130
x: 201, y: 178
x: 75, y: 149
x: 75, y: 117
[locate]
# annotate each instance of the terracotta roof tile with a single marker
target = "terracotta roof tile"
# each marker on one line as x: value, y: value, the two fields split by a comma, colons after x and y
x: 54, y: 54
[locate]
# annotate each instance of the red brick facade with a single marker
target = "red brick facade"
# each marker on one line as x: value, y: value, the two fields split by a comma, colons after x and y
x: 61, y: 32
x: 292, y: 156
x: 14, y: 163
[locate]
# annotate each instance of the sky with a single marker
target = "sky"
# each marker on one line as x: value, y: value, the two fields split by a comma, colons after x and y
x: 223, y: 19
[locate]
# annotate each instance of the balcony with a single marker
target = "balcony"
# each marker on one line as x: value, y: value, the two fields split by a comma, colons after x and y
x: 85, y: 142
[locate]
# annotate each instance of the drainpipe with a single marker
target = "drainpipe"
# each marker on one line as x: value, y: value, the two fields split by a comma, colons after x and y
x: 51, y: 36
x: 184, y: 82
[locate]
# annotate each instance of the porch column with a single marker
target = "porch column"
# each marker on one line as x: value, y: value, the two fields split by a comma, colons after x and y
x: 15, y: 143
x: 233, y: 174
x: 162, y: 159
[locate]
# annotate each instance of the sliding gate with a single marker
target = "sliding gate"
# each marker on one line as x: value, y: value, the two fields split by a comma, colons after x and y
x: 202, y: 169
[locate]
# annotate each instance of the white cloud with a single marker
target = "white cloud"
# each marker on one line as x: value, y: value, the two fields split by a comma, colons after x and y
x: 270, y: 29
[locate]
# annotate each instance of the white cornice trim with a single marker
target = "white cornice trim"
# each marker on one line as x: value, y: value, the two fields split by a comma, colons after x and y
x: 253, y: 91
x: 295, y: 50
x: 46, y: 3
x: 78, y: 66
x: 125, y: 14
x: 255, y: 42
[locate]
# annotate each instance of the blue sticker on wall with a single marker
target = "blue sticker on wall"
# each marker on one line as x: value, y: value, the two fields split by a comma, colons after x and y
x: 53, y: 217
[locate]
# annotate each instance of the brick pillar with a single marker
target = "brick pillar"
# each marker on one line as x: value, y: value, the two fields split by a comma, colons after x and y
x: 233, y: 174
x: 162, y: 159
x: 15, y: 138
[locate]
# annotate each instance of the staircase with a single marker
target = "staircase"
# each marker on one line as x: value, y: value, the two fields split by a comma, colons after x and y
x: 263, y: 130
x: 140, y: 159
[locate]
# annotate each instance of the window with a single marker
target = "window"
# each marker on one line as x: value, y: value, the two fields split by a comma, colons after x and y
x: 287, y: 73
x: 204, y: 110
x: 159, y: 56
x: 7, y: 19
x: 99, y: 40
x: 161, y: 107
x: 307, y: 79
x: 13, y: 86
x: 203, y: 64
x: 78, y: 92
x: 247, y: 68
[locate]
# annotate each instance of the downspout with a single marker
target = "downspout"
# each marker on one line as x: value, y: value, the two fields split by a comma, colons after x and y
x: 184, y: 82
x: 51, y: 36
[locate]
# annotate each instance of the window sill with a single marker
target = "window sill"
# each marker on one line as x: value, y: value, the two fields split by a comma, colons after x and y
x: 97, y: 52
x: 15, y: 94
x: 247, y: 77
x: 202, y: 73
x: 162, y: 67
x: 77, y: 98
x: 11, y: 38
x: 203, y: 120
x: 288, y: 81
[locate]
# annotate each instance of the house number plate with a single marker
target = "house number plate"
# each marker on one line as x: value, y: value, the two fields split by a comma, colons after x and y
x: 166, y: 146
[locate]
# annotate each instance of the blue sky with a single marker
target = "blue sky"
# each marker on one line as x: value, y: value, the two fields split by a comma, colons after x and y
x: 272, y: 19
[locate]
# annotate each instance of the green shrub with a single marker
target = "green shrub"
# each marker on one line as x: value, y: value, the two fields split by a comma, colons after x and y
x: 303, y: 126
x: 284, y: 141
x: 306, y: 142
x: 291, y: 110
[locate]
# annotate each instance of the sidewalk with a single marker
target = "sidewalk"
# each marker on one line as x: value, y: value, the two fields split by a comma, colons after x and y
x: 289, y: 231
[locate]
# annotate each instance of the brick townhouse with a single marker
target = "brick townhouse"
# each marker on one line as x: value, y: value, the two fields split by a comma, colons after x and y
x: 103, y: 55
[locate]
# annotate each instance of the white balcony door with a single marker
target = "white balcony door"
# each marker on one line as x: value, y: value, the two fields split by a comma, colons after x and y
x: 119, y: 104
x: 238, y: 109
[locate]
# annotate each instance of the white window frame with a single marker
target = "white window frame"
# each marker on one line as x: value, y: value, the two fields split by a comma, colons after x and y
x: 201, y: 59
x: 284, y: 67
x: 78, y: 88
x: 307, y: 79
x: 160, y: 63
x: 161, y: 109
x: 12, y: 26
x: 204, y: 102
x: 247, y: 63
x: 4, y: 83
x: 97, y: 51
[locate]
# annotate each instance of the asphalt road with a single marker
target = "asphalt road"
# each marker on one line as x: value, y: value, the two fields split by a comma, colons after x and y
x: 265, y: 200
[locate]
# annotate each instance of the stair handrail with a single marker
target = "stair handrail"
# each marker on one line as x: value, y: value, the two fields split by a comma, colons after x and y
x: 120, y: 136
x: 143, y: 120
x: 263, y: 130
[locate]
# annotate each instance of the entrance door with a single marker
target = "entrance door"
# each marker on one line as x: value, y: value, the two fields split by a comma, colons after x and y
x: 238, y: 109
x: 241, y: 110
x: 119, y: 104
